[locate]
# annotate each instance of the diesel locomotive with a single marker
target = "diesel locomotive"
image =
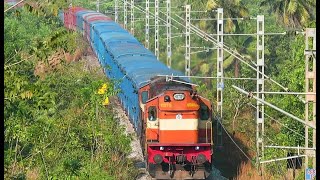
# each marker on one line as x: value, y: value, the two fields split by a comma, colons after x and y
x: 171, y: 119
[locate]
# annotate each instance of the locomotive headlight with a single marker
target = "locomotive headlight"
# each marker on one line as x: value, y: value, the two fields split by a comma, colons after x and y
x: 197, y: 148
x: 201, y: 158
x: 158, y: 159
x: 178, y: 97
x: 161, y: 148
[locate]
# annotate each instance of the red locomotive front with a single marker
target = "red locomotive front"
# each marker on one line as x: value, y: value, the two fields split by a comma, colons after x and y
x: 177, y: 130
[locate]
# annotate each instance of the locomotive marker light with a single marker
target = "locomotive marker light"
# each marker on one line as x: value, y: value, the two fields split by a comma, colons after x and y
x: 161, y: 148
x: 197, y: 148
x: 167, y: 99
x: 178, y: 97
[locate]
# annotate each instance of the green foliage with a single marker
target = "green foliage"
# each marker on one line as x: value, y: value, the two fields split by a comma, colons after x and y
x: 289, y: 69
x: 57, y: 116
x: 292, y: 13
x: 57, y: 127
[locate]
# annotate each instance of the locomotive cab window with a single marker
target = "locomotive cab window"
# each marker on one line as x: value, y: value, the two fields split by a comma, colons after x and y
x: 152, y: 113
x: 144, y: 96
x: 204, y: 112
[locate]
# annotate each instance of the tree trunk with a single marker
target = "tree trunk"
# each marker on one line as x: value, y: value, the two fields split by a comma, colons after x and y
x: 236, y: 69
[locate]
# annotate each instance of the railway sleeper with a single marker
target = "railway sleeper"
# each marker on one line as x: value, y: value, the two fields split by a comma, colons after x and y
x: 178, y: 171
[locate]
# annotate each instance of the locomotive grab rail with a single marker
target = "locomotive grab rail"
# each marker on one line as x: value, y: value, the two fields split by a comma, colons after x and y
x: 157, y: 133
x: 184, y: 82
x: 209, y: 122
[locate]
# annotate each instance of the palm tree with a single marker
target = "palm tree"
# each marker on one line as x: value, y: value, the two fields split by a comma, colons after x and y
x: 231, y: 8
x: 292, y: 13
x: 241, y: 45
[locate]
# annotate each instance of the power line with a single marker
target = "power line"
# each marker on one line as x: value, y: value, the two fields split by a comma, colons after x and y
x: 151, y: 14
x: 214, y: 19
x: 252, y: 34
x: 279, y: 147
x: 251, y: 161
x: 279, y: 159
x: 14, y: 5
x: 276, y: 162
x: 283, y: 149
x: 235, y: 143
x: 285, y: 93
x: 207, y: 77
x: 276, y: 108
x: 226, y: 48
x: 294, y: 131
x: 230, y: 51
x: 290, y: 147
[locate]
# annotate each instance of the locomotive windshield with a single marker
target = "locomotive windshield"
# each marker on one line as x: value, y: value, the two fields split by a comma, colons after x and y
x: 152, y: 113
x: 144, y: 96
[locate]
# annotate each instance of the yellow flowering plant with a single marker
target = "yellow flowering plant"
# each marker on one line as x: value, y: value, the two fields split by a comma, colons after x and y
x: 103, y: 91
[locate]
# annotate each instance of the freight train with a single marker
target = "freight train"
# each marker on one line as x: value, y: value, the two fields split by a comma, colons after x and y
x: 172, y: 121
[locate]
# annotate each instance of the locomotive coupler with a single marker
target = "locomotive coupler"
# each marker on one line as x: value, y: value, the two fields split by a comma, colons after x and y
x: 193, y: 168
x: 181, y: 159
x: 171, y: 169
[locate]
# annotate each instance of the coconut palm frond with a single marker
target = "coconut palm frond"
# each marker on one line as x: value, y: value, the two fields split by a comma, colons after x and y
x: 292, y: 7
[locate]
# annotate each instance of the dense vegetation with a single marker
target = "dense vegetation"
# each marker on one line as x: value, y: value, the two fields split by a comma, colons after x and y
x: 284, y: 63
x: 56, y: 126
x: 51, y: 123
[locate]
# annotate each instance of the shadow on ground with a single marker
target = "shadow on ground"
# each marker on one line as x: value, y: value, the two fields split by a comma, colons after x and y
x: 228, y: 158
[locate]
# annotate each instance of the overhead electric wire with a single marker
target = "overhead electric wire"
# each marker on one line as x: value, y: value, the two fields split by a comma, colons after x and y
x: 235, y: 142
x: 253, y: 34
x: 277, y: 160
x: 251, y: 161
x: 207, y: 77
x: 235, y: 54
x: 150, y: 13
x: 283, y: 151
x: 14, y: 5
x: 232, y: 52
x: 275, y: 107
x: 225, y: 48
x: 280, y: 123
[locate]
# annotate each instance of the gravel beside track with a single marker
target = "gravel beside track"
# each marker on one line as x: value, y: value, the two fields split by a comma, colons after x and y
x: 136, y: 153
